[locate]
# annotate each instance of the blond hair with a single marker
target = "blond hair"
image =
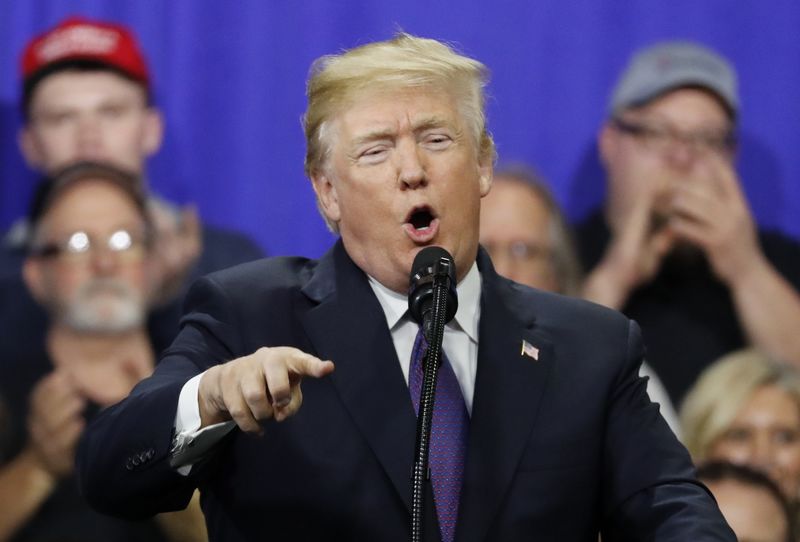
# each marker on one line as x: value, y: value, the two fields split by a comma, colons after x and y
x: 723, y: 389
x: 402, y: 62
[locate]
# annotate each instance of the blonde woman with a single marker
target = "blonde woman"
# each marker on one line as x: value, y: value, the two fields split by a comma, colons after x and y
x: 745, y: 408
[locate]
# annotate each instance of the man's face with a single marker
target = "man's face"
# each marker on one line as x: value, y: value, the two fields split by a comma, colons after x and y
x: 96, y: 116
x: 752, y: 512
x: 654, y: 148
x: 766, y: 435
x: 516, y: 230
x: 100, y: 289
x: 403, y: 173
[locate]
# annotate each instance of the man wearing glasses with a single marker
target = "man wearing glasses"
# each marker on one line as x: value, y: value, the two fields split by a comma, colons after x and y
x: 677, y: 248
x: 89, y: 264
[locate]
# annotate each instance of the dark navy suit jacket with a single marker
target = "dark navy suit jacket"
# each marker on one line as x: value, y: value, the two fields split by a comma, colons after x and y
x: 559, y: 448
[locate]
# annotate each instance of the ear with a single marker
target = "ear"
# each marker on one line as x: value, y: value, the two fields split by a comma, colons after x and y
x: 33, y: 275
x: 26, y: 141
x: 327, y: 197
x: 607, y: 142
x: 485, y: 175
x: 153, y: 135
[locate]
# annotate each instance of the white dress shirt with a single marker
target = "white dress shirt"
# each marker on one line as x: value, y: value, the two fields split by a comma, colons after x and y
x: 460, y: 343
x: 460, y: 335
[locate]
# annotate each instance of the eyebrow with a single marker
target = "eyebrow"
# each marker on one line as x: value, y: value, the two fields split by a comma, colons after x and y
x: 429, y: 122
x: 421, y: 125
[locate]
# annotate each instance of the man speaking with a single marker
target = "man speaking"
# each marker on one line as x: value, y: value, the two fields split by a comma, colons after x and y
x: 549, y: 435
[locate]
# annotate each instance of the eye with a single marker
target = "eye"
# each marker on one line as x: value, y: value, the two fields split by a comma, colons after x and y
x: 57, y: 118
x: 786, y: 436
x: 736, y: 434
x: 120, y: 240
x: 78, y: 242
x: 522, y: 250
x: 437, y: 141
x: 656, y: 133
x: 715, y: 141
x: 114, y: 110
x: 373, y: 154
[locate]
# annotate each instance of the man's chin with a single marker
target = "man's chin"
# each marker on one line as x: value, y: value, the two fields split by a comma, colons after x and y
x: 105, y: 317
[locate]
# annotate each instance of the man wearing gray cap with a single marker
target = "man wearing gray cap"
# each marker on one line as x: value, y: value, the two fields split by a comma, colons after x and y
x: 676, y: 246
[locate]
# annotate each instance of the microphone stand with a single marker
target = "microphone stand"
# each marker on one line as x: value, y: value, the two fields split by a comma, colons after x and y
x: 433, y: 327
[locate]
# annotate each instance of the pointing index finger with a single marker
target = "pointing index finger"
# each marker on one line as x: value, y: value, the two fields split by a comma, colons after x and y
x: 303, y: 364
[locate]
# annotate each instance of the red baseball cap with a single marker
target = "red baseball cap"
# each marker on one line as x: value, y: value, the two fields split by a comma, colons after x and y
x: 78, y: 38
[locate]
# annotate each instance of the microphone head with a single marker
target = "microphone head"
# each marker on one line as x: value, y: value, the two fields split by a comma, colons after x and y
x: 427, y: 258
x: 428, y: 261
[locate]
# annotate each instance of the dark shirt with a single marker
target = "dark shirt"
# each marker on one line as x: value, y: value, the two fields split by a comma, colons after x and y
x: 64, y: 516
x: 687, y: 315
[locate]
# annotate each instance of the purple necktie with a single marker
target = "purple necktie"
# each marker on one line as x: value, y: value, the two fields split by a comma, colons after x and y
x: 448, y: 445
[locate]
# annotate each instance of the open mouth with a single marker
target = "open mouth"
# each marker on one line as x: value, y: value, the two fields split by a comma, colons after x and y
x: 421, y: 224
x: 420, y: 218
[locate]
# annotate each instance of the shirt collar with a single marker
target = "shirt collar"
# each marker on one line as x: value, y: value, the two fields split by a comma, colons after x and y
x: 395, y: 305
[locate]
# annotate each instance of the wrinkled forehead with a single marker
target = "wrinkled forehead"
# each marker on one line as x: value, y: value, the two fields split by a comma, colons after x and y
x: 379, y: 111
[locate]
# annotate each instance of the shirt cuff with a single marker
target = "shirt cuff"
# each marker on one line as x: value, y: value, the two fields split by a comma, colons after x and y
x: 192, y: 443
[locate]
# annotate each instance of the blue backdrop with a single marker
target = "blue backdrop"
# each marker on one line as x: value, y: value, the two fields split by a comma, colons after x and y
x: 230, y: 78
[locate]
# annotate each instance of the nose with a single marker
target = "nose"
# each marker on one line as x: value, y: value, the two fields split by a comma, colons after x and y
x: 410, y: 169
x: 104, y: 261
x: 681, y: 155
x: 762, y: 453
x: 89, y: 139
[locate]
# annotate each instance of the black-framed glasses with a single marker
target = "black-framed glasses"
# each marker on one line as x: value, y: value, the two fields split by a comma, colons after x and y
x: 661, y: 138
x: 80, y: 245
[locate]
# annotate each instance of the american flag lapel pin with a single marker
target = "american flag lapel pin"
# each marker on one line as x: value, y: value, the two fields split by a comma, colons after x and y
x: 529, y: 350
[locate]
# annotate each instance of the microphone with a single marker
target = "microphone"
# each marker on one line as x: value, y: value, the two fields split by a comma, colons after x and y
x: 432, y: 265
x: 432, y: 302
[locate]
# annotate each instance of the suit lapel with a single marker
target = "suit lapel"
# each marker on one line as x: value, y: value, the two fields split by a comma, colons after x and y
x: 508, y: 388
x: 349, y: 327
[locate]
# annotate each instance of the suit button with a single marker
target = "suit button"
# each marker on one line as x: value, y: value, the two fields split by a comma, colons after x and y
x: 150, y: 453
x: 129, y: 464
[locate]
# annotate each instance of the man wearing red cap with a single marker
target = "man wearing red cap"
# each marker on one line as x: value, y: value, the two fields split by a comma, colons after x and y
x: 87, y: 96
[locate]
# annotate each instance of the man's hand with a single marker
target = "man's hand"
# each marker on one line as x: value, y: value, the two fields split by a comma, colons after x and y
x: 633, y: 256
x: 55, y: 423
x: 178, y: 244
x: 712, y: 213
x: 263, y: 385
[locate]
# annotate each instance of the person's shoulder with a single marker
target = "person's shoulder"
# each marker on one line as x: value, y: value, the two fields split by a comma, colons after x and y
x: 545, y: 306
x: 592, y: 337
x: 225, y: 248
x: 265, y: 274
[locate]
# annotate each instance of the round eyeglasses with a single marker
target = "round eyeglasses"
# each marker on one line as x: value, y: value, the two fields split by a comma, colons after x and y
x: 81, y: 245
